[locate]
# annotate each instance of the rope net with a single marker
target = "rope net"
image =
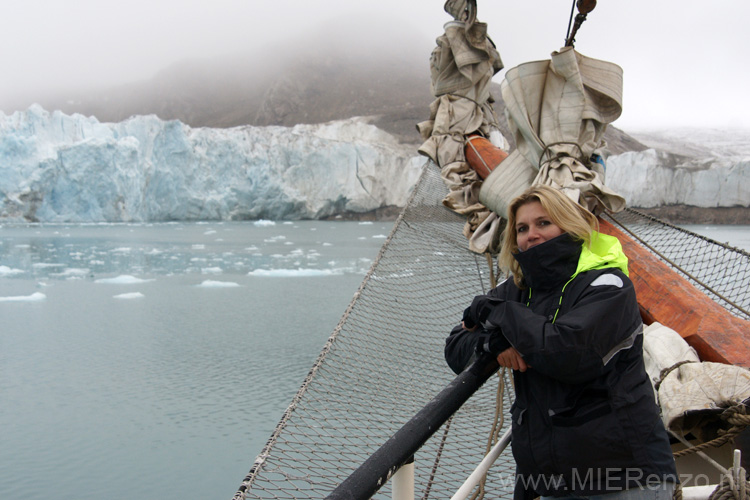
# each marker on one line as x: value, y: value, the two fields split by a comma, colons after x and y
x: 384, y: 361
x: 720, y: 271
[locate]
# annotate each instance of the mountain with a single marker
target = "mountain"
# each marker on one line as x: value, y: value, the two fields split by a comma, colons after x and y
x: 384, y: 77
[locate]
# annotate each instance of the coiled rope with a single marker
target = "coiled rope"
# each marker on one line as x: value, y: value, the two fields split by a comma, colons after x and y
x: 734, y: 484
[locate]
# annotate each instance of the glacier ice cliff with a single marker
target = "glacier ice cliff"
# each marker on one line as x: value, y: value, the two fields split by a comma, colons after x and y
x: 653, y: 178
x: 60, y: 168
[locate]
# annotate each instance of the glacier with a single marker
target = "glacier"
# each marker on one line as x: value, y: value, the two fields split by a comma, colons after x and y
x: 654, y: 178
x: 71, y: 168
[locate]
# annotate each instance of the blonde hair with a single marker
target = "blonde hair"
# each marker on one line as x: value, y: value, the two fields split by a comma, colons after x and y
x: 566, y: 214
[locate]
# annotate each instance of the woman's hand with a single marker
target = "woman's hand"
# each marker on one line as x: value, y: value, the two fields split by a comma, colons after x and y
x: 510, y: 358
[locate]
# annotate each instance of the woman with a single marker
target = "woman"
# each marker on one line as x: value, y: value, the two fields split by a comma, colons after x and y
x: 585, y: 421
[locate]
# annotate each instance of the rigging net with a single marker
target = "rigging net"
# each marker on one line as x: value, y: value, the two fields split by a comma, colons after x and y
x: 384, y: 361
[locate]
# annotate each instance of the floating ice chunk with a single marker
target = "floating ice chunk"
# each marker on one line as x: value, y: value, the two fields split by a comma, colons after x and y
x: 366, y: 223
x: 122, y: 250
x: 34, y: 297
x: 274, y: 239
x: 218, y: 284
x: 210, y: 231
x: 8, y: 271
x: 212, y: 270
x: 123, y: 279
x: 132, y: 295
x: 283, y: 273
x: 326, y: 244
x: 47, y: 264
x: 73, y: 272
x: 379, y: 237
x: 264, y: 223
x: 198, y: 247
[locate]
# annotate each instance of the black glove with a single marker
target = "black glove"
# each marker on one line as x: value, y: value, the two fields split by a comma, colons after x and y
x: 478, y: 311
x: 493, y: 341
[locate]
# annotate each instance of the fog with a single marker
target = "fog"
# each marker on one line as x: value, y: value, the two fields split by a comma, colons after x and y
x: 683, y: 60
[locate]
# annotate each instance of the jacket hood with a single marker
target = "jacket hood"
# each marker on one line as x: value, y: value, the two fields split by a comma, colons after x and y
x: 605, y: 251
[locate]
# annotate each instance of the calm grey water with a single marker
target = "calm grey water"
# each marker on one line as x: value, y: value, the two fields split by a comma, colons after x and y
x: 154, y: 361
x: 737, y: 236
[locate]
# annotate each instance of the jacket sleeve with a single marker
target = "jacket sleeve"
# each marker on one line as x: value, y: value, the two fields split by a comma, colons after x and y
x: 577, y: 346
x: 462, y: 345
x: 460, y: 348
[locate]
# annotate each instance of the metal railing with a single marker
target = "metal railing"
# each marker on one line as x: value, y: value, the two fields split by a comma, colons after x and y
x: 399, y: 450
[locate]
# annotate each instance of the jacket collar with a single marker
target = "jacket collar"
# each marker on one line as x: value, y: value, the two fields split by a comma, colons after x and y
x: 557, y: 260
x: 550, y: 263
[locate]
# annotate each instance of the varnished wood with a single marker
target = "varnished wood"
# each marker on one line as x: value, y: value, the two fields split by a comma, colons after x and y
x: 665, y: 296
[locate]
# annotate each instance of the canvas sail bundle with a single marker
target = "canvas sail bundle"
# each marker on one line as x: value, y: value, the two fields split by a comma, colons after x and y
x: 558, y: 110
x: 692, y: 394
x: 462, y: 66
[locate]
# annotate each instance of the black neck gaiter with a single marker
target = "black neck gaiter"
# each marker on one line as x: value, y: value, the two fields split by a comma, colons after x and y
x: 551, y: 263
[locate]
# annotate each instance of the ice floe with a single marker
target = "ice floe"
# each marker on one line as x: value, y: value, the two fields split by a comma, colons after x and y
x: 132, y: 295
x: 218, y: 284
x: 7, y: 271
x: 275, y: 273
x: 34, y: 297
x: 123, y: 279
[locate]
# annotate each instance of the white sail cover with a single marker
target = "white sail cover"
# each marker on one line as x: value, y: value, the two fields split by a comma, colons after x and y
x: 695, y: 392
x: 558, y: 110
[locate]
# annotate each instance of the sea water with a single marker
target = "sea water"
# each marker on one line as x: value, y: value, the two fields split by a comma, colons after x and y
x: 154, y: 360
x: 737, y: 236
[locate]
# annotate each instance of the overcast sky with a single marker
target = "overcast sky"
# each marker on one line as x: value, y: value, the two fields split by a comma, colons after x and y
x: 683, y: 60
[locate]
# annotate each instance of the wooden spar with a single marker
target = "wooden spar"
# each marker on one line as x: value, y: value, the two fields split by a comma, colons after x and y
x: 666, y: 297
x: 482, y: 155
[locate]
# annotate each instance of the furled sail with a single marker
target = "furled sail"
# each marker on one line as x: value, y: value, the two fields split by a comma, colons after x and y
x: 462, y: 66
x: 558, y: 110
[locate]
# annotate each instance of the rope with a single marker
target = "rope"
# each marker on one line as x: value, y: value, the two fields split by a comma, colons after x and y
x: 677, y: 495
x: 736, y: 416
x: 497, y: 425
x: 435, y: 464
x: 561, y: 154
x: 666, y: 371
x: 733, y: 486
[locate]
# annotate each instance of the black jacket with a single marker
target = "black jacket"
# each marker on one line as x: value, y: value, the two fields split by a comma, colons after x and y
x: 584, y: 419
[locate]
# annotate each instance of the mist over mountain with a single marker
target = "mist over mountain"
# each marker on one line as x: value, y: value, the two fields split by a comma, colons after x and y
x: 316, y: 79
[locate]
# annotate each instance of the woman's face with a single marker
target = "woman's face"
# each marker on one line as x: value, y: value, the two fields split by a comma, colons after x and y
x: 533, y: 226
